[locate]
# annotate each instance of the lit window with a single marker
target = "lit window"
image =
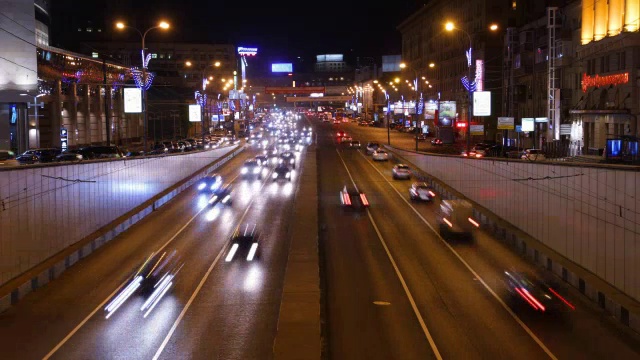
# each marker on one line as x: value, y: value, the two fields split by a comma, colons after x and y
x: 94, y: 54
x: 89, y: 29
x: 513, y: 5
x: 154, y: 56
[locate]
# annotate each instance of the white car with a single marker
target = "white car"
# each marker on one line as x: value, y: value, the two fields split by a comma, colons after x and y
x: 421, y: 191
x: 401, y: 171
x: 533, y: 155
x: 380, y: 155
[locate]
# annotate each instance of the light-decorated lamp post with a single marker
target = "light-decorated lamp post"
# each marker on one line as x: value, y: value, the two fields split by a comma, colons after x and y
x: 143, y: 78
x: 416, y: 82
x: 201, y: 98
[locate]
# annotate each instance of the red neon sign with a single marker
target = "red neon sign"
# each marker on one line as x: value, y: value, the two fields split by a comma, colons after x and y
x: 461, y: 124
x: 597, y: 80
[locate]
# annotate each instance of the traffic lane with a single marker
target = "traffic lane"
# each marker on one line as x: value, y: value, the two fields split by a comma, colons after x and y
x: 238, y: 306
x: 128, y: 334
x: 358, y: 274
x: 398, y: 139
x: 66, y: 301
x: 566, y: 334
x: 455, y: 304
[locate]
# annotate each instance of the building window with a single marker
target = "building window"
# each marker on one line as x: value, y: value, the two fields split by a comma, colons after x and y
x: 623, y: 61
x: 604, y: 64
x: 516, y: 61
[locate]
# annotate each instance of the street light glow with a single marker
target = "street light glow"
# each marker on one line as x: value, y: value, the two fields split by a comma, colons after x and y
x: 120, y: 25
x: 216, y: 64
x: 164, y: 25
x: 403, y: 65
x: 432, y: 65
x: 449, y: 26
x: 493, y: 27
x: 397, y: 80
x: 210, y: 77
x: 188, y: 63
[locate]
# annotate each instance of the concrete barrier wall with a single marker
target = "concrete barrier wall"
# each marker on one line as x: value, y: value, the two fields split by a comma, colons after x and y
x: 45, y: 209
x: 590, y: 215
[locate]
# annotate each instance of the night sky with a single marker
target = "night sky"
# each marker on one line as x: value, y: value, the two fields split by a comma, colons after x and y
x: 278, y: 28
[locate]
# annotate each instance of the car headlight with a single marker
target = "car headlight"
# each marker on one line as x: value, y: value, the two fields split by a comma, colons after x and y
x: 202, y: 186
x: 256, y: 170
x: 275, y: 175
x: 291, y: 161
x: 244, y: 170
x: 287, y: 175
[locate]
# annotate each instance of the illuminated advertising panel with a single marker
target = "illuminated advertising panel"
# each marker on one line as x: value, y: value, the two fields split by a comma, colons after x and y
x: 247, y: 51
x: 282, y: 68
x: 482, y: 103
x: 527, y: 124
x: 194, y: 113
x: 132, y: 100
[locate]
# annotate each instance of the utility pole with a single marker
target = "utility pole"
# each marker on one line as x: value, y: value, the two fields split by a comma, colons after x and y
x: 107, y: 95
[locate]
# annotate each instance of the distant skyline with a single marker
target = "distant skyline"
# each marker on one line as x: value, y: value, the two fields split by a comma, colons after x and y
x: 285, y: 28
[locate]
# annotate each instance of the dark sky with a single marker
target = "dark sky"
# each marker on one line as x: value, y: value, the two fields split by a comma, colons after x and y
x: 278, y: 28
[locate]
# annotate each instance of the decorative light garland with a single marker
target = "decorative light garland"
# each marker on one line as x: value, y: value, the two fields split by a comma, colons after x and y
x: 141, y: 81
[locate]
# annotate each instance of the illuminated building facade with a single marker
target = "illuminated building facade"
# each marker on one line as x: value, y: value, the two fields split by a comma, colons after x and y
x: 606, y: 105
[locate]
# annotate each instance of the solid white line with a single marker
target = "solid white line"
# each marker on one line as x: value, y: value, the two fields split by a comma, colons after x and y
x: 475, y: 274
x: 84, y: 321
x: 414, y: 306
x: 204, y: 279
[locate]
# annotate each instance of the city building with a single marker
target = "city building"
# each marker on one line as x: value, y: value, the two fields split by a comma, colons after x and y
x: 606, y: 99
x: 438, y: 58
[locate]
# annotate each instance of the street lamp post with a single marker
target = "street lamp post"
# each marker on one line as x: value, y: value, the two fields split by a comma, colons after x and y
x: 205, y: 81
x: 143, y: 84
x: 415, y: 85
x: 450, y: 27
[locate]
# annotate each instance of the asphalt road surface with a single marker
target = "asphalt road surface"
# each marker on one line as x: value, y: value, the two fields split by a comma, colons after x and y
x: 437, y: 298
x: 214, y: 310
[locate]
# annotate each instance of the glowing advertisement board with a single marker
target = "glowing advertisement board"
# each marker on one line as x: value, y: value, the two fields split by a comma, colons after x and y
x: 132, y: 100
x: 527, y: 124
x: 482, y: 103
x: 194, y: 113
x: 247, y: 51
x: 282, y: 68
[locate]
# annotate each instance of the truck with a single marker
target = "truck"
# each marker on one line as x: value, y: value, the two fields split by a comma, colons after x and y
x: 456, y: 219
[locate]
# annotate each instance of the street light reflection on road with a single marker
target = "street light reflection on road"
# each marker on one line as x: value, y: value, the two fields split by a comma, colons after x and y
x: 212, y: 214
x: 254, y: 280
x: 203, y: 201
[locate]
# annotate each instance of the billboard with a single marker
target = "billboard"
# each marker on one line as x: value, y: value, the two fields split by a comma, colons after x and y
x: 482, y: 103
x: 527, y: 124
x: 282, y: 67
x: 247, y: 51
x: 447, y: 112
x: 132, y: 100
x: 391, y: 63
x: 505, y: 123
x: 330, y: 58
x: 194, y: 113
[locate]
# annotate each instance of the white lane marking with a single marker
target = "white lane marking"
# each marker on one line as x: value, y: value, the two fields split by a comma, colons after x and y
x: 475, y: 274
x: 414, y: 306
x: 84, y: 321
x: 201, y: 284
x: 381, y: 303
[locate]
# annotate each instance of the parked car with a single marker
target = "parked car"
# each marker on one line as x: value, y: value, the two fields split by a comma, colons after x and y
x: 436, y: 142
x: 27, y: 157
x: 33, y: 156
x: 70, y: 155
x: 533, y: 155
x: 101, y: 152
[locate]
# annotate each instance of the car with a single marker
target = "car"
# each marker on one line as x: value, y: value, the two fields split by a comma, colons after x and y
x: 436, y: 142
x: 222, y: 195
x: 372, y: 146
x: 533, y: 155
x: 345, y: 139
x: 355, y: 144
x: 262, y: 159
x: 380, y: 155
x: 340, y: 134
x: 421, y: 191
x: 351, y: 197
x: 210, y: 183
x: 245, y: 240
x: 7, y: 155
x: 421, y: 136
x: 401, y: 171
x: 287, y: 158
x: 151, y: 280
x: 536, y: 293
x: 252, y: 169
x: 271, y: 151
x: 456, y: 219
x: 472, y: 154
x: 282, y: 171
x: 69, y: 155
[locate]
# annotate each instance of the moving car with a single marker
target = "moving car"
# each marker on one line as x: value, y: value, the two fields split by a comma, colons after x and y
x: 262, y: 159
x: 401, y: 171
x: 69, y: 155
x: 210, y: 183
x: 281, y: 171
x: 380, y: 155
x: 287, y: 158
x: 533, y: 155
x: 222, y: 195
x: 38, y: 155
x: 355, y: 144
x: 372, y: 146
x: 538, y: 294
x: 456, y: 219
x: 252, y: 169
x: 421, y: 191
x: 151, y: 280
x: 351, y: 197
x: 7, y: 155
x: 245, y: 241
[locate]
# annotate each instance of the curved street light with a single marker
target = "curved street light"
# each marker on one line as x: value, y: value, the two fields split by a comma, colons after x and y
x: 161, y: 25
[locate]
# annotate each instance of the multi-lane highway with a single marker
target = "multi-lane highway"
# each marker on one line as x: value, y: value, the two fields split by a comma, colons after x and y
x: 396, y: 290
x: 214, y: 310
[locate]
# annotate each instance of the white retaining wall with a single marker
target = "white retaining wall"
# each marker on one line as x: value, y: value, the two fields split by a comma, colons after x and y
x: 45, y: 209
x: 591, y: 215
